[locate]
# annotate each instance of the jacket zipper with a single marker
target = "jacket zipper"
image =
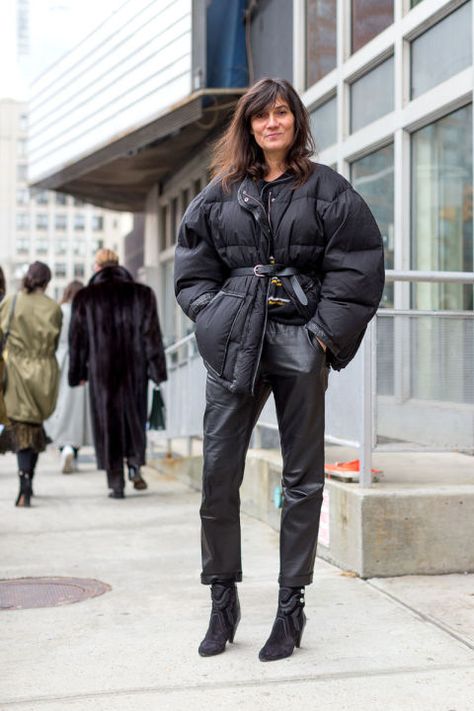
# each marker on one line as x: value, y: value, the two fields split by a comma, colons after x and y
x: 267, y: 293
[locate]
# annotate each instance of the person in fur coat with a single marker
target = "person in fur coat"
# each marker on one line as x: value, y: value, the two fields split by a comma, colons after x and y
x: 115, y: 344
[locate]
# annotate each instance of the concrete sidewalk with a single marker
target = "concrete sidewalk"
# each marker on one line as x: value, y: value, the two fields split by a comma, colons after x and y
x: 384, y: 644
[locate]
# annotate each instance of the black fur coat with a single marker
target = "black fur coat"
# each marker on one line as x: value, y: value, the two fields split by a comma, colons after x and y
x: 115, y: 343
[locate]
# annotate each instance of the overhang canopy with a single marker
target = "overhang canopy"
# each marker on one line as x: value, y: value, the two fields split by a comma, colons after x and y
x: 120, y: 174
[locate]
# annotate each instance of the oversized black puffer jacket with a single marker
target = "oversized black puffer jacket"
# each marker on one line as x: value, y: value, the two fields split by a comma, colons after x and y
x: 324, y: 228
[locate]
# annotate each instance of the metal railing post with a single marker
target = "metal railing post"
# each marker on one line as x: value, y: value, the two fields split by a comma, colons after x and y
x: 365, y: 475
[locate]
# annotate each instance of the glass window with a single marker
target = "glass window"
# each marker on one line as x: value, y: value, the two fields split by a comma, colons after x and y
x: 41, y: 246
x: 23, y: 122
x: 79, y: 222
x: 60, y: 270
x: 163, y: 227
x: 22, y: 196
x: 42, y: 221
x: 41, y: 198
x: 184, y: 200
x: 321, y: 39
x: 22, y: 172
x: 197, y: 186
x: 22, y: 221
x: 173, y: 223
x: 61, y: 199
x: 414, y: 2
x: 22, y: 245
x: 442, y: 208
x: 78, y: 203
x: 79, y: 249
x: 168, y: 303
x: 60, y: 222
x: 324, y: 124
x: 60, y: 246
x: 441, y: 51
x: 369, y: 18
x: 97, y: 223
x: 372, y: 177
x: 21, y: 147
x: 79, y: 271
x: 372, y: 96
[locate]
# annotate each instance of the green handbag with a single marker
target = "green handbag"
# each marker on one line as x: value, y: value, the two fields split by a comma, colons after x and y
x: 157, y: 417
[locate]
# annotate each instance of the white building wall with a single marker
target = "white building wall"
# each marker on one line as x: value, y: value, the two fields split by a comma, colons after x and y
x: 46, y: 226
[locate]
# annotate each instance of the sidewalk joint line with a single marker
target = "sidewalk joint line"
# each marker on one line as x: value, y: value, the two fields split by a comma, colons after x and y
x: 424, y: 616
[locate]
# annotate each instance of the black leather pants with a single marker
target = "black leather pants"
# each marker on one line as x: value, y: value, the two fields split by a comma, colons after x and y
x: 295, y: 370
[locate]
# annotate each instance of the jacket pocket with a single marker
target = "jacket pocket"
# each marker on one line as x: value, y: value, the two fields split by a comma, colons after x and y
x: 214, y: 327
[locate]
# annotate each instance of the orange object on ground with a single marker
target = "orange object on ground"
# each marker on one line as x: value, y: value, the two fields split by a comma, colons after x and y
x: 352, y: 466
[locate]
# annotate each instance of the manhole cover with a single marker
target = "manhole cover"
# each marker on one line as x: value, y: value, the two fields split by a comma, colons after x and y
x: 23, y: 593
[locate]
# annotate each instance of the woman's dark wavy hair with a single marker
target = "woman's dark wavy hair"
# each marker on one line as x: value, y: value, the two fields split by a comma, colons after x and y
x: 38, y: 276
x: 236, y: 153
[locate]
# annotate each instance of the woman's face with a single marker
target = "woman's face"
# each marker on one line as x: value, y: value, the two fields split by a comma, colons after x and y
x: 274, y: 129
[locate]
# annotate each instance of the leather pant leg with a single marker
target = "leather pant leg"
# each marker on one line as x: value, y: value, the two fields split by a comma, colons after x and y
x: 297, y: 371
x: 228, y: 423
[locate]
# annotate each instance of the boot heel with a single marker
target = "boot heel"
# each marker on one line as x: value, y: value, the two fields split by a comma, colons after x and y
x: 24, y: 495
x: 299, y: 634
x: 233, y: 631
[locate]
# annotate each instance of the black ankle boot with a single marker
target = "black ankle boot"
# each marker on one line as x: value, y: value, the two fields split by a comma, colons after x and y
x: 288, y: 626
x: 24, y: 495
x: 225, y: 616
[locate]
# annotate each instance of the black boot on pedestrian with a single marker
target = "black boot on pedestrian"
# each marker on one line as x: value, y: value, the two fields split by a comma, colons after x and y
x: 225, y: 617
x: 288, y: 626
x: 136, y: 478
x: 24, y: 495
x: 117, y: 494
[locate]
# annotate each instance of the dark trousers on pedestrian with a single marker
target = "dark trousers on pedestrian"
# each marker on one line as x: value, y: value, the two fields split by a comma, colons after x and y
x: 293, y: 367
x: 115, y: 477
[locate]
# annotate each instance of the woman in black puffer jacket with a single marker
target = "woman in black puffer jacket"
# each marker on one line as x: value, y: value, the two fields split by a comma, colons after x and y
x: 280, y: 263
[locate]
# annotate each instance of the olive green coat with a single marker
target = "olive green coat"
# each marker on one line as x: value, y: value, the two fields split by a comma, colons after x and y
x: 3, y: 412
x: 32, y: 368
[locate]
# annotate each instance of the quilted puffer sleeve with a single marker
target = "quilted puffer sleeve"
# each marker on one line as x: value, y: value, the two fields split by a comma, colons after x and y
x: 198, y: 270
x: 352, y: 276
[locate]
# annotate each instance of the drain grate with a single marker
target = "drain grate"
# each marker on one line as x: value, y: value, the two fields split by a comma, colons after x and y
x: 24, y: 593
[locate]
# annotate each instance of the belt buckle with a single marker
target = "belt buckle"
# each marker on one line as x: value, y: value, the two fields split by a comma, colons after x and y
x: 256, y: 272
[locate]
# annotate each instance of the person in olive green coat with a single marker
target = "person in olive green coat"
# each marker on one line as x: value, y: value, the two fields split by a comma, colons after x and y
x: 32, y: 371
x: 3, y: 412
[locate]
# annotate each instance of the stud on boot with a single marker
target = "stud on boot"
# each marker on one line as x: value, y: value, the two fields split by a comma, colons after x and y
x: 288, y: 626
x: 24, y: 495
x: 225, y: 617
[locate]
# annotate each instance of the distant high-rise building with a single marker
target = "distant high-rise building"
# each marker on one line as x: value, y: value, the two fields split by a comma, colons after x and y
x: 51, y: 227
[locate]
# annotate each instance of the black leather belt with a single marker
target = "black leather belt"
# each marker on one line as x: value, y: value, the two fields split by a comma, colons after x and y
x: 274, y: 270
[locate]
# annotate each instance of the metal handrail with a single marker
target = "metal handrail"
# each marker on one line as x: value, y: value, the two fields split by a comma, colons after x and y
x: 430, y: 276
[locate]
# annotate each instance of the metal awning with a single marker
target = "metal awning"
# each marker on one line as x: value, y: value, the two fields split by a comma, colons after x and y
x: 119, y: 175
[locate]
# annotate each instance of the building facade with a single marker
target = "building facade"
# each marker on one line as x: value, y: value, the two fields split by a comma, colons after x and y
x: 388, y: 84
x: 42, y: 225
